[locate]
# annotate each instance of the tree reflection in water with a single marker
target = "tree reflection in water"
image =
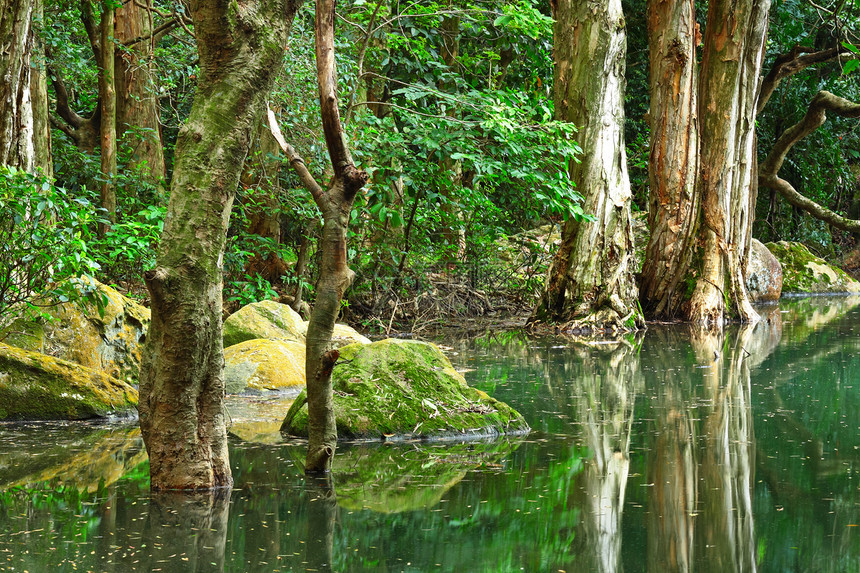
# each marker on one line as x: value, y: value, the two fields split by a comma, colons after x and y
x: 602, y: 381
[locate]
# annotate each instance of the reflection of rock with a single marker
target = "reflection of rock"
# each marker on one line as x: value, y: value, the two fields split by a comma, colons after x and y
x: 34, y: 386
x: 258, y: 418
x: 275, y: 321
x: 391, y: 478
x: 106, y: 339
x: 264, y: 365
x: 80, y: 456
x: 395, y: 388
x: 803, y: 272
x: 764, y: 274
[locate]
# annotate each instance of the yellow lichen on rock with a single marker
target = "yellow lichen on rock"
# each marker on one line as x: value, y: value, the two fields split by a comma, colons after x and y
x: 34, y: 386
x: 264, y: 365
x: 106, y: 339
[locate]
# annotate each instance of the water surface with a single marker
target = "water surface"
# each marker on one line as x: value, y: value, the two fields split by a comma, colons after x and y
x: 668, y: 451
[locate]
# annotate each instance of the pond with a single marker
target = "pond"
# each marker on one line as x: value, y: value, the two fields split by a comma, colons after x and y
x: 668, y: 451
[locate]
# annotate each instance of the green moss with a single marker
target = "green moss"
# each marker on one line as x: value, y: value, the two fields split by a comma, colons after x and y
x: 38, y: 387
x: 405, y: 389
x: 803, y: 272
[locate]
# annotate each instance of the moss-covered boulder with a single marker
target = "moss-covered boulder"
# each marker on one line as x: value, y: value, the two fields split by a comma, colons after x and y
x: 264, y: 365
x: 803, y: 272
x: 103, y: 331
x: 764, y: 274
x: 266, y: 319
x: 343, y: 335
x: 34, y: 386
x: 397, y: 389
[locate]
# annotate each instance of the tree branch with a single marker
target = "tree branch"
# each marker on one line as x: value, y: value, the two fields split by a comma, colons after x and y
x: 89, y: 21
x: 296, y: 161
x: 797, y: 60
x: 815, y: 117
x: 335, y: 138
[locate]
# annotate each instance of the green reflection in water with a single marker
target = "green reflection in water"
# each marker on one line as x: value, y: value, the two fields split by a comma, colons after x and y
x: 673, y: 452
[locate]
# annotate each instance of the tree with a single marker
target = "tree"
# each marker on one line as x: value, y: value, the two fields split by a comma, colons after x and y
x: 335, y: 204
x: 705, y: 276
x: 241, y: 48
x: 591, y: 284
x: 17, y: 147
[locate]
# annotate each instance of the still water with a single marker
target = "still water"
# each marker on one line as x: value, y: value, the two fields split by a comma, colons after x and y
x: 672, y: 451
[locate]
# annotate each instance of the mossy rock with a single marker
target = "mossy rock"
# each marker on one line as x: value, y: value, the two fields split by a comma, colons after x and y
x: 398, y: 389
x: 108, y: 339
x: 34, y: 386
x: 264, y: 365
x: 343, y: 335
x: 266, y: 319
x: 803, y: 272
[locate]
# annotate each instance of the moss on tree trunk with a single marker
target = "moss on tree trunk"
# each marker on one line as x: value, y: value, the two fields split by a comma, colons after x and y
x: 182, y: 384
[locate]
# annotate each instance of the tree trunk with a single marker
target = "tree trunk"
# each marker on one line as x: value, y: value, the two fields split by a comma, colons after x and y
x: 335, y: 275
x: 673, y: 204
x: 107, y: 101
x: 16, y: 110
x: 136, y: 102
x: 181, y: 380
x: 732, y: 63
x: 591, y: 285
x: 335, y: 204
x: 39, y: 95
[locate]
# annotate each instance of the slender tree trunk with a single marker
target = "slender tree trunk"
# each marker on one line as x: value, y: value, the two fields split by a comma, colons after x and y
x: 335, y: 275
x: 107, y: 101
x: 674, y: 204
x: 732, y: 63
x: 16, y: 111
x: 39, y: 93
x: 591, y: 285
x: 335, y: 204
x: 136, y: 102
x: 181, y: 405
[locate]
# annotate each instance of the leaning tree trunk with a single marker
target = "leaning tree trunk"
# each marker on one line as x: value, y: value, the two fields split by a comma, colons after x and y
x: 673, y: 204
x: 16, y: 110
x: 181, y: 406
x: 732, y: 63
x: 591, y: 285
x: 136, y: 102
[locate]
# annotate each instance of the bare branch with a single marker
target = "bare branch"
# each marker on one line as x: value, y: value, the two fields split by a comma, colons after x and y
x: 296, y: 161
x: 797, y: 60
x: 815, y: 117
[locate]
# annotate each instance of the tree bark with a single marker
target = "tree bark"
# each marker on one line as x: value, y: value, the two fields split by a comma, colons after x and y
x: 732, y: 62
x: 673, y: 204
x: 39, y: 95
x: 182, y: 419
x: 16, y: 110
x: 591, y: 284
x: 136, y: 102
x: 107, y: 103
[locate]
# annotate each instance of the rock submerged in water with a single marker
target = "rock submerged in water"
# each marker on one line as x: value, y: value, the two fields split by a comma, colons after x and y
x: 34, y: 386
x: 764, y: 274
x: 106, y: 339
x: 803, y: 272
x: 397, y: 389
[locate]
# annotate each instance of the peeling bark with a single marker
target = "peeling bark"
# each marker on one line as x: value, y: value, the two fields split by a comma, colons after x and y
x: 674, y: 204
x: 733, y: 54
x: 107, y: 104
x: 181, y: 406
x: 16, y: 109
x: 591, y: 285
